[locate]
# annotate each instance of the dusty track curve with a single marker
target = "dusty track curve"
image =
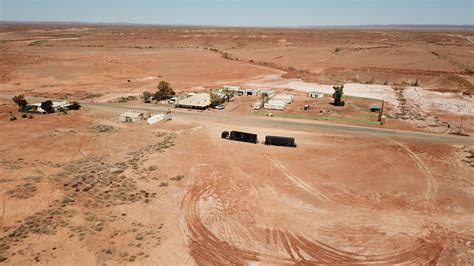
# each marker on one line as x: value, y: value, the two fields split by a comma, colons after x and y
x: 208, y: 248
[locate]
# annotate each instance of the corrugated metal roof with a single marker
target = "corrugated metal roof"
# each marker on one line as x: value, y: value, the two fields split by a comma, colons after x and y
x: 131, y: 114
x: 198, y: 100
x: 232, y: 88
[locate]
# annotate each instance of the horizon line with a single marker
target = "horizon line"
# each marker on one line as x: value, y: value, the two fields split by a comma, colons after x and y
x: 234, y: 26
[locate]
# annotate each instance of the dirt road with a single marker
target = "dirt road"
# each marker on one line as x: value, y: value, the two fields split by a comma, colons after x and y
x: 295, y: 124
x: 273, y: 122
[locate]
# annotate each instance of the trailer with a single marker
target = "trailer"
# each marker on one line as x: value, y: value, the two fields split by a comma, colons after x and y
x: 240, y: 136
x: 280, y: 141
x: 275, y: 105
x: 316, y: 94
x: 155, y: 119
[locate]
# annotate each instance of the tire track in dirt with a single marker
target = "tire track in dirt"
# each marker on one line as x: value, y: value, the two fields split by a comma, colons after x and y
x: 424, y: 252
x: 208, y: 248
x: 298, y: 181
x: 278, y: 246
x: 432, y: 183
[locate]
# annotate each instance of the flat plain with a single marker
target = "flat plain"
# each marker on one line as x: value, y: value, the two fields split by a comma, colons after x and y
x: 83, y: 188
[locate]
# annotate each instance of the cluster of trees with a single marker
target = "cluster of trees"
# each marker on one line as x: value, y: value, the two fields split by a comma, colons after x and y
x: 217, y: 99
x: 47, y: 106
x: 337, y: 95
x: 20, y: 101
x: 164, y: 92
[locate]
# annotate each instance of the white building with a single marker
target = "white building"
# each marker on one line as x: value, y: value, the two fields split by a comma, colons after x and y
x: 316, y: 94
x: 233, y: 88
x: 132, y: 116
x: 200, y: 101
x: 275, y: 105
x: 287, y: 98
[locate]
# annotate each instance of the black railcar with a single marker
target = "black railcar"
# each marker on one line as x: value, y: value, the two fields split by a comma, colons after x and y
x: 240, y: 136
x: 280, y: 141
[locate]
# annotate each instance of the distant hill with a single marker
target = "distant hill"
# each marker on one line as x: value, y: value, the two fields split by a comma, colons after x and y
x: 361, y: 27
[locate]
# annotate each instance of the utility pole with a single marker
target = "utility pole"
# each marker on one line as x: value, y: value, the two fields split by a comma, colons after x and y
x: 460, y: 127
x: 381, y: 113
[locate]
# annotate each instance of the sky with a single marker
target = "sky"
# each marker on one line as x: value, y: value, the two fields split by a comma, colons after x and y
x: 286, y: 13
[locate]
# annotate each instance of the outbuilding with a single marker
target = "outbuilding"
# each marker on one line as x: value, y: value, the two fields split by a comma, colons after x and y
x: 316, y: 94
x: 251, y: 92
x: 234, y: 89
x: 132, y: 116
x: 375, y: 108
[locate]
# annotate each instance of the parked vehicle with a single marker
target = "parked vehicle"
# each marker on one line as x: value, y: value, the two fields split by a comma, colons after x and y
x: 280, y: 141
x: 219, y: 107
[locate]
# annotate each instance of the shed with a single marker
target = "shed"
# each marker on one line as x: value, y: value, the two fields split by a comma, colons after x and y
x: 232, y: 88
x: 131, y: 116
x: 251, y: 92
x: 375, y: 108
x: 316, y: 94
x: 200, y: 101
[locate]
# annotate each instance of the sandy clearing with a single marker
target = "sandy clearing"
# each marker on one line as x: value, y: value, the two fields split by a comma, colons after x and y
x: 382, y: 92
x: 426, y: 99
x: 112, y: 96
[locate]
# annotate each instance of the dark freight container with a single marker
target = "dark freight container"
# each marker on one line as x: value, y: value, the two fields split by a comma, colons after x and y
x: 280, y: 141
x: 243, y: 136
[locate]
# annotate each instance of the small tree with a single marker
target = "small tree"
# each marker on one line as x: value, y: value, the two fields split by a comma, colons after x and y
x: 20, y: 101
x: 75, y: 106
x: 228, y: 96
x: 337, y: 95
x: 164, y: 91
x: 146, y: 96
x: 47, y: 106
x: 216, y: 99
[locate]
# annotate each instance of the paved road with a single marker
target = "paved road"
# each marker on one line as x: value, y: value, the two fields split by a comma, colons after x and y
x: 273, y: 122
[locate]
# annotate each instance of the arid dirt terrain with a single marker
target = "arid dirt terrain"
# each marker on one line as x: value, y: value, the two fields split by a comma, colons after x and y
x: 426, y: 77
x: 82, y: 188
